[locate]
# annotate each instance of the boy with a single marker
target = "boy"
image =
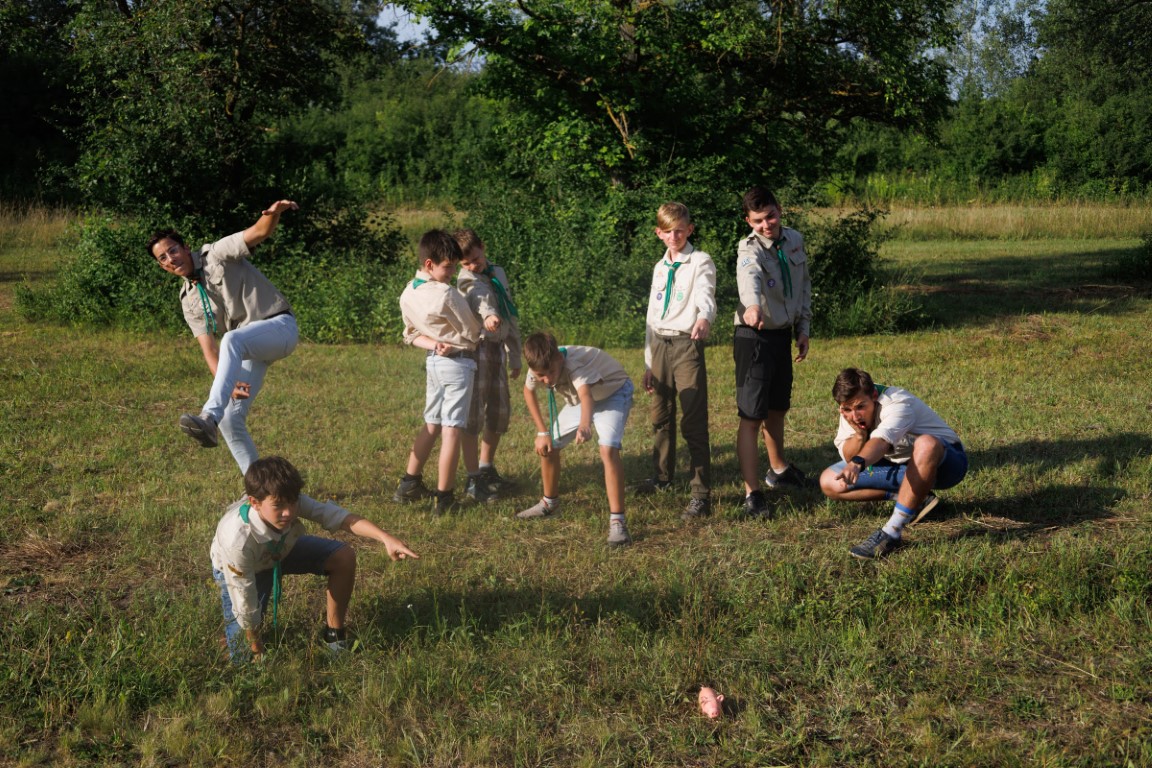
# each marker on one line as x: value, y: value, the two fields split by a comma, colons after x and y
x: 223, y: 293
x: 437, y: 319
x: 597, y: 392
x: 260, y: 537
x: 894, y: 448
x: 485, y: 286
x: 681, y: 309
x: 775, y: 306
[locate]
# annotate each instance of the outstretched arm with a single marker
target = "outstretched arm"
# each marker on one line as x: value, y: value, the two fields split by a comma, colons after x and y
x: 267, y: 223
x: 210, y: 349
x: 397, y: 550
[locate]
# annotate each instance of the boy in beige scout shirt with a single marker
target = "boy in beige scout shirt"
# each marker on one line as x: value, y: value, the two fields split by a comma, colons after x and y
x: 597, y: 392
x: 681, y: 309
x: 222, y: 293
x: 485, y: 286
x: 775, y: 307
x: 438, y: 319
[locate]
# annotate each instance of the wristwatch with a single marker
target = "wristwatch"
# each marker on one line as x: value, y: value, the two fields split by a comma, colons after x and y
x: 858, y: 460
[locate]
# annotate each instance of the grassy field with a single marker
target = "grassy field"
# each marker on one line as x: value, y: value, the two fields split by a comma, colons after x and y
x: 1013, y: 629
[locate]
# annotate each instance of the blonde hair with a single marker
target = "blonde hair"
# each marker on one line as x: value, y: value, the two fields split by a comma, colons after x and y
x: 671, y: 214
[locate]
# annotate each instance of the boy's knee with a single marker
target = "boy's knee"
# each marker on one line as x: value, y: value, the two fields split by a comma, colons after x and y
x: 928, y: 448
x: 342, y: 560
x: 829, y: 484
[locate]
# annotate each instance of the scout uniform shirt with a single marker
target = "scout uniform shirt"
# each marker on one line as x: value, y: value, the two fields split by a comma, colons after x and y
x: 585, y: 366
x: 438, y: 311
x: 761, y: 280
x: 235, y: 291
x: 901, y: 417
x: 240, y: 550
x: 692, y: 296
x: 481, y: 296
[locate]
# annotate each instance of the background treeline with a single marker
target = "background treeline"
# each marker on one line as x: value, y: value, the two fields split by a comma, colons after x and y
x: 556, y: 128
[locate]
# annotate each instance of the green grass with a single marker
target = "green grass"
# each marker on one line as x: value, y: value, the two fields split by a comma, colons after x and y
x: 1012, y: 631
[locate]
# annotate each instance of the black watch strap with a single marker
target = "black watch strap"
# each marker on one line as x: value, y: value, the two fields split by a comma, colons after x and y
x: 858, y: 460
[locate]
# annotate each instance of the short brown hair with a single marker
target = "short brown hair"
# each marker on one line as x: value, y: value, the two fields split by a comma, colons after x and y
x: 467, y: 239
x: 851, y: 383
x: 273, y: 476
x: 671, y: 214
x: 540, y: 351
x: 759, y: 199
x: 438, y: 246
x: 163, y: 234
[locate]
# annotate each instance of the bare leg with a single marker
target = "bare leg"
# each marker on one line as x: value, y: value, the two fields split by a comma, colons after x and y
x: 550, y: 474
x: 488, y: 447
x: 774, y: 440
x: 747, y: 453
x: 613, y: 478
x: 422, y: 448
x: 449, y: 458
x: 927, y: 453
x: 469, y: 449
x: 341, y: 568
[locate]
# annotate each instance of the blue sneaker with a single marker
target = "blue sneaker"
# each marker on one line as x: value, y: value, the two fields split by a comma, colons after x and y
x: 875, y: 546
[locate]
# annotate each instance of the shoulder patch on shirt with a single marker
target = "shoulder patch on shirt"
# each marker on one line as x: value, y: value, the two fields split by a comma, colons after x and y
x: 746, y: 261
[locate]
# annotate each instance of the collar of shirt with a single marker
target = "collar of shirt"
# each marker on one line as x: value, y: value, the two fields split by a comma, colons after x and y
x: 683, y: 257
x: 769, y: 243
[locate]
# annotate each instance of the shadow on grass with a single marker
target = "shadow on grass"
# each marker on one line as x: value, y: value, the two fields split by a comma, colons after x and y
x: 970, y: 294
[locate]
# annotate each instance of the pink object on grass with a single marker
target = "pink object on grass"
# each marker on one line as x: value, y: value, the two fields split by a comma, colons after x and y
x: 711, y: 703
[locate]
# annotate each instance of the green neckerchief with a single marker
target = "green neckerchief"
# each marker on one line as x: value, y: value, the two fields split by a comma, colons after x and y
x: 507, y: 308
x: 418, y: 282
x: 668, y: 288
x: 205, y: 304
x: 785, y: 272
x: 553, y: 411
x: 275, y: 548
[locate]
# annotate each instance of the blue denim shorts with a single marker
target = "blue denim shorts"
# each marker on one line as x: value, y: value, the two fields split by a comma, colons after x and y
x: 608, y: 418
x: 885, y: 475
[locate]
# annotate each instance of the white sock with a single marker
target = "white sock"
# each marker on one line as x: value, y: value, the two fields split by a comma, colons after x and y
x: 900, y: 517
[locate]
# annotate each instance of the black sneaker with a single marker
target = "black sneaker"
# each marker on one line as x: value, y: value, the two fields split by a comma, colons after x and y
x: 445, y: 501
x: 411, y: 490
x: 496, y: 482
x: 651, y: 485
x: 790, y: 476
x: 696, y: 509
x: 755, y: 505
x: 200, y: 428
x: 479, y: 489
x: 875, y: 546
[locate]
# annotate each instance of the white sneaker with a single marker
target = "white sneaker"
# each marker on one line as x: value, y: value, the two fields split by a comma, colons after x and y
x: 618, y: 534
x: 539, y: 509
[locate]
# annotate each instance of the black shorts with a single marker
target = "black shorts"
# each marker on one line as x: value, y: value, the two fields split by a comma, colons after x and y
x: 763, y: 371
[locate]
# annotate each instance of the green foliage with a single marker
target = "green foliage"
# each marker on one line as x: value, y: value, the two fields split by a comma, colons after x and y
x: 1134, y: 264
x: 333, y: 268
x: 180, y: 98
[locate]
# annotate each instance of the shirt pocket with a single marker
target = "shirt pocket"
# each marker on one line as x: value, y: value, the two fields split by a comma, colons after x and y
x: 797, y: 256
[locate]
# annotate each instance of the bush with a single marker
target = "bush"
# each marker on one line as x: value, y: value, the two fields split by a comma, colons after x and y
x: 1135, y: 264
x: 337, y: 268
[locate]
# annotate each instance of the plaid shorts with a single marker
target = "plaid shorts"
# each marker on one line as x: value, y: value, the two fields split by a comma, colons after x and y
x: 491, y: 403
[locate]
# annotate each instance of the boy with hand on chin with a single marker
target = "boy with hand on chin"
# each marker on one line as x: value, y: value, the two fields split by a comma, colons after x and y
x: 261, y: 537
x: 895, y: 448
x: 775, y: 307
x: 597, y: 392
x: 437, y: 319
x: 222, y: 293
x: 485, y: 286
x: 681, y: 309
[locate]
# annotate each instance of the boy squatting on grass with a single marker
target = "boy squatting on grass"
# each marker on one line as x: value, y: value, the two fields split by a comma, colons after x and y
x: 438, y: 319
x: 485, y: 286
x: 775, y: 305
x: 597, y: 391
x: 223, y: 293
x: 261, y: 537
x: 681, y: 310
x: 894, y: 448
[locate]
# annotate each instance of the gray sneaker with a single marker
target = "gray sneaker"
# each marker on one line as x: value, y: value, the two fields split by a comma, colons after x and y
x: 539, y: 509
x: 696, y: 509
x: 445, y: 502
x: 496, y: 482
x: 200, y: 428
x: 930, y: 502
x: 479, y: 490
x: 790, y: 476
x: 875, y: 546
x: 618, y: 534
x: 412, y: 490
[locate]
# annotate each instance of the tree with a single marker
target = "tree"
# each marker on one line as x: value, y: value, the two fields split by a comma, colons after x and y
x: 729, y: 90
x: 181, y: 98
